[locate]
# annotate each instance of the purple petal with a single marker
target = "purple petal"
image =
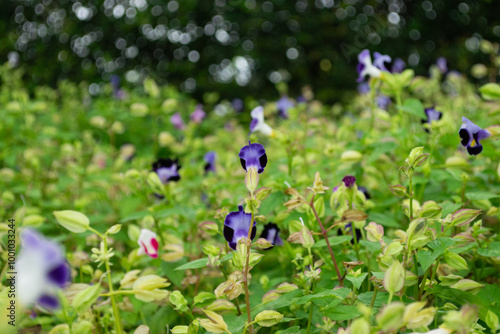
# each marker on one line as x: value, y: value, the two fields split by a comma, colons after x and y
x: 236, y: 226
x: 380, y: 59
x: 398, y: 66
x: 442, y: 64
x: 253, y: 155
x: 60, y: 275
x: 349, y: 181
x: 48, y: 301
x: 433, y: 114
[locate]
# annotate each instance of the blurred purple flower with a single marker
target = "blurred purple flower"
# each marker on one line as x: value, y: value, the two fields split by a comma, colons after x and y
x: 363, y: 88
x: 380, y: 59
x: 442, y: 64
x: 210, y: 161
x: 167, y: 170
x: 258, y: 123
x: 42, y: 269
x: 253, y: 156
x: 471, y: 134
x: 283, y: 104
x: 198, y: 114
x: 177, y: 121
x: 271, y: 233
x: 398, y: 65
x: 237, y: 105
x: 118, y: 93
x: 383, y: 101
x: 349, y: 181
x: 236, y: 226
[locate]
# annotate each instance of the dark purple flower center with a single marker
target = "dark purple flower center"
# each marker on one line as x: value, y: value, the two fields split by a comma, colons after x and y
x: 349, y: 181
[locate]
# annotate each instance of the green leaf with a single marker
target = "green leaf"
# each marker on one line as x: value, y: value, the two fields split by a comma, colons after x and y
x: 342, y: 312
x: 414, y: 107
x: 493, y: 250
x: 490, y: 91
x: 338, y: 294
x: 382, y: 219
x: 480, y: 195
x: 200, y: 263
x: 336, y: 240
x: 135, y: 216
x: 85, y: 298
x: 356, y: 281
x: 439, y: 246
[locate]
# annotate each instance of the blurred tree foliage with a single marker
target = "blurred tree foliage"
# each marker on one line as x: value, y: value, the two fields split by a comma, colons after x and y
x: 238, y: 47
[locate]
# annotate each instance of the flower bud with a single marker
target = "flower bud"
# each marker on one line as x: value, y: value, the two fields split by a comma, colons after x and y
x: 221, y: 305
x: 318, y: 187
x: 353, y: 216
x: 132, y: 174
x: 114, y: 229
x: 178, y: 300
x: 464, y: 216
x: 128, y: 280
x: 306, y: 237
x: 286, y: 287
x: 456, y: 162
x: 85, y: 298
x: 398, y: 190
x: 351, y: 156
x: 180, y: 330
x: 251, y: 179
x: 165, y: 139
x: 262, y: 243
x: 268, y: 318
x: 139, y: 109
x: 359, y: 326
x: 215, y: 323
x: 270, y: 296
x: 429, y: 209
x: 410, y: 278
x: 455, y: 261
x: 467, y: 285
x: 154, y: 183
x: 415, y: 317
x: 74, y: 221
x: 393, y: 278
x: 209, y: 249
x: 147, y: 288
x: 375, y: 231
x: 414, y: 154
x: 33, y: 220
x: 294, y: 203
x: 391, y: 317
x: 210, y: 227
x: 231, y: 288
x: 263, y: 193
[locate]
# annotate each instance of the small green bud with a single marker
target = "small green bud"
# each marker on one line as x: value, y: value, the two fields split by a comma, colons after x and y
x: 455, y: 261
x: 393, y: 278
x: 286, y: 287
x: 429, y: 209
x: 268, y: 318
x: 318, y: 187
x: 148, y: 288
x: 180, y: 330
x: 155, y: 184
x: 252, y: 179
x: 209, y: 249
x: 114, y: 229
x: 74, y: 221
x: 33, y: 220
x: 178, y: 300
x: 359, y: 326
x: 263, y: 193
x: 306, y: 237
x: 262, y: 243
x: 214, y: 324
x: 398, y: 190
x: 210, y: 227
x: 351, y: 156
x: 139, y: 109
x: 464, y: 216
x: 375, y: 231
x: 85, y: 298
x: 414, y: 154
x: 467, y: 285
x: 391, y: 317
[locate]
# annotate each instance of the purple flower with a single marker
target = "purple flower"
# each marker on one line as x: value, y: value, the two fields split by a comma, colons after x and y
x: 210, y: 161
x: 363, y: 88
x: 364, y: 191
x: 432, y: 115
x: 253, y: 156
x: 349, y: 181
x: 471, y: 134
x: 177, y: 121
x: 42, y: 269
x: 380, y: 59
x: 118, y: 93
x: 283, y: 104
x: 271, y: 233
x: 365, y: 66
x: 301, y: 99
x: 236, y: 227
x: 237, y: 105
x: 167, y: 170
x: 442, y: 64
x: 398, y: 65
x: 383, y: 101
x: 198, y: 114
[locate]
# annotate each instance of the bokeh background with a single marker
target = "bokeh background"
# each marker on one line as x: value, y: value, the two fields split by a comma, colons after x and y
x: 239, y: 47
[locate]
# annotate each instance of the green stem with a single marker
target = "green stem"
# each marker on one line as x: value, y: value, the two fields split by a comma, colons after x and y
x: 309, y: 321
x: 374, y: 296
x: 116, y: 312
x: 411, y: 196
x: 114, y: 293
x: 422, y: 285
x: 245, y: 277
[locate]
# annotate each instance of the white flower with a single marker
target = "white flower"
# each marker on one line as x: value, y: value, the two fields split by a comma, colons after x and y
x: 258, y: 123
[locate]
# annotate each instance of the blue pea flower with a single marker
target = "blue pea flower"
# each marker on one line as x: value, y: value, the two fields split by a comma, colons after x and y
x: 42, y: 270
x: 471, y: 134
x: 210, y: 161
x: 167, y: 170
x: 253, y: 156
x: 283, y: 104
x: 236, y: 227
x: 271, y: 233
x: 432, y: 115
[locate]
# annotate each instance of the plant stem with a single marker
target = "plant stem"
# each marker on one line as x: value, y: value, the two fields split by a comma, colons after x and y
x: 116, y: 312
x: 245, y: 276
x: 325, y: 235
x: 411, y: 196
x: 374, y: 297
x: 422, y: 285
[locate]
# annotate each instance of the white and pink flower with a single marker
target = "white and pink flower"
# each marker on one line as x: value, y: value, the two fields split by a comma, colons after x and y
x: 148, y: 243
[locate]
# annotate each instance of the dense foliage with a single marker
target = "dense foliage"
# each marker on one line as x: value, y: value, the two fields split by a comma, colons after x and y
x: 387, y: 224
